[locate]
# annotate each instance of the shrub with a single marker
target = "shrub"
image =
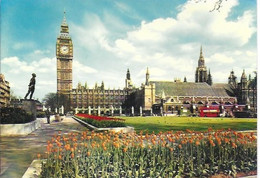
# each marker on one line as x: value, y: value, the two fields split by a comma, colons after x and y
x: 15, y: 116
x: 40, y: 114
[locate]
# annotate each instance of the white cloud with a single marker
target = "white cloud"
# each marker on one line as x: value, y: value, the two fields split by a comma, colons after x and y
x: 82, y: 69
x: 220, y: 59
x: 172, y: 44
x: 251, y: 54
x: 92, y: 34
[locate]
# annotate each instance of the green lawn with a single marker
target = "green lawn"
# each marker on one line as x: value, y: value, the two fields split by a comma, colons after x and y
x: 174, y: 123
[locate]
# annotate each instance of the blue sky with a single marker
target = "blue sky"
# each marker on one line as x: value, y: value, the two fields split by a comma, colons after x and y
x: 111, y: 36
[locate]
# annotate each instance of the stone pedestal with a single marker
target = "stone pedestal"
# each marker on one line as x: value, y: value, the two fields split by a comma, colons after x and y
x: 30, y: 107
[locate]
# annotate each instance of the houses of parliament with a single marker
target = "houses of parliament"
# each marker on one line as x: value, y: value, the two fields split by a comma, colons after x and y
x: 169, y: 95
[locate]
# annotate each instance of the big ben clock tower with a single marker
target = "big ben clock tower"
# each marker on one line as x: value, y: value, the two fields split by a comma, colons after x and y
x: 64, y: 54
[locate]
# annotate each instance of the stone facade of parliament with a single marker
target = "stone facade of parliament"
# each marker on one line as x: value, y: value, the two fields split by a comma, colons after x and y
x: 169, y: 95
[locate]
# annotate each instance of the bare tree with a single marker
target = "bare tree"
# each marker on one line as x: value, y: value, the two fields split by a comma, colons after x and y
x: 217, y: 5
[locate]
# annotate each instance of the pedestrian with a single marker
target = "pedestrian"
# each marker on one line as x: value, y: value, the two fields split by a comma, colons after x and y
x: 47, y: 112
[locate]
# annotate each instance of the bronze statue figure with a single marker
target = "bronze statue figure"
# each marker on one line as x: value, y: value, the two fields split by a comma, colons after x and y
x: 31, y: 86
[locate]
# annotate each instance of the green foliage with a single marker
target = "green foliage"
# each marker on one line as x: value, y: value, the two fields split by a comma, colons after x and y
x: 15, y: 116
x: 103, y: 124
x: 40, y: 114
x: 54, y: 100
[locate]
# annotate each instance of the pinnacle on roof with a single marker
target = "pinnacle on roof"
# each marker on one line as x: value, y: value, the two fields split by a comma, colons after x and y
x: 147, y: 71
x: 201, y: 53
x: 163, y: 95
x: 128, y: 74
x: 64, y: 22
x: 243, y: 74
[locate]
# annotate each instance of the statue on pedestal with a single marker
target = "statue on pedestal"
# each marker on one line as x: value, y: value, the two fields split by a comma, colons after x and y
x: 31, y: 86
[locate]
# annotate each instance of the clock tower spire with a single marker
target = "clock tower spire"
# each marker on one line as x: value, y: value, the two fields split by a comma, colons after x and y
x: 64, y: 55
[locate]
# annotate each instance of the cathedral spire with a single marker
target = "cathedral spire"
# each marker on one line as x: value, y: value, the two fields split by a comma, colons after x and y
x: 147, y: 77
x: 243, y: 80
x: 201, y: 61
x: 201, y: 71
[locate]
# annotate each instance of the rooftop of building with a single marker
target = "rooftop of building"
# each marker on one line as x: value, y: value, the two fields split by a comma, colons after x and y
x: 171, y: 88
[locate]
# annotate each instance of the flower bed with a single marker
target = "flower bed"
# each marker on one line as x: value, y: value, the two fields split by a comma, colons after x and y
x: 189, y: 154
x: 101, y: 122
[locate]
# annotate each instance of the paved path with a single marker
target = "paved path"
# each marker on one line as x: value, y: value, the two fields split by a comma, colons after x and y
x: 17, y: 153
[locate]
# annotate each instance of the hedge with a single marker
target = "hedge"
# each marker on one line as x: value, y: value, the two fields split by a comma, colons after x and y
x: 15, y: 116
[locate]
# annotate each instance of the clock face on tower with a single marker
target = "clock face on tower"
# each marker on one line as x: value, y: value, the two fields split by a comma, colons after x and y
x: 64, y: 49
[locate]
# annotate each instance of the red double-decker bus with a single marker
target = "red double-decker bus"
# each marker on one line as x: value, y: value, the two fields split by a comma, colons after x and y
x: 210, y: 111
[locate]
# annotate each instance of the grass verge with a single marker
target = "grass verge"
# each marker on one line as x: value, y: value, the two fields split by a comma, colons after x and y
x: 168, y: 123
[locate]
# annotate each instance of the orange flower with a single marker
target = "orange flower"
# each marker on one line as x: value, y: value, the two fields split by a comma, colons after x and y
x: 219, y: 142
x: 88, y: 153
x: 171, y: 149
x: 234, y: 145
x: 253, y: 138
x: 67, y: 147
x: 189, y: 131
x: 180, y: 146
x: 240, y: 135
x: 190, y: 141
x: 210, y: 129
x: 226, y: 140
x: 60, y: 157
x: 197, y: 143
x: 72, y: 155
x: 124, y: 149
x: 38, y: 155
x: 211, y: 142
